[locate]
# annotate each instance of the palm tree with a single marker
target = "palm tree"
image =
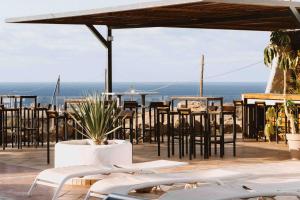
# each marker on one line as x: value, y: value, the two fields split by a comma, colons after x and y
x: 280, y: 50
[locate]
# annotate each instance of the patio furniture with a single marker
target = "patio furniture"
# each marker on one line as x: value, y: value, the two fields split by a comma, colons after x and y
x: 133, y: 106
x: 206, y: 101
x: 134, y: 93
x: 174, y: 131
x: 273, y: 187
x: 126, y: 183
x: 162, y: 112
x: 121, y: 197
x: 199, y: 128
x: 260, y: 120
x: 215, y: 124
x: 125, y: 115
x: 57, y: 177
x: 1, y: 123
x: 230, y: 110
x: 185, y: 129
x: 152, y: 119
x: 239, y: 104
x: 41, y: 113
x: 10, y: 127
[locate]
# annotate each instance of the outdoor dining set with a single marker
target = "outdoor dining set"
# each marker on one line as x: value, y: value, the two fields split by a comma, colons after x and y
x: 181, y: 129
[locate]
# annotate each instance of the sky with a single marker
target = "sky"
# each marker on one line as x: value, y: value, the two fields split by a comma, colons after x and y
x: 39, y: 53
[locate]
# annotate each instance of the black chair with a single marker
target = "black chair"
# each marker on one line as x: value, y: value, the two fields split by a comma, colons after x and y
x: 133, y: 106
x: 260, y: 120
x: 198, y: 132
x: 185, y: 129
x: 152, y: 119
x: 238, y: 104
x: 124, y: 116
x: 1, y: 123
x: 41, y: 113
x: 162, y: 112
x: 231, y: 111
x: 215, y: 124
x: 10, y: 127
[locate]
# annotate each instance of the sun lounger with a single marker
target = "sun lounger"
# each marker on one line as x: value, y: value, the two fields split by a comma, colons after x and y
x: 57, y: 177
x: 126, y: 183
x: 265, y: 187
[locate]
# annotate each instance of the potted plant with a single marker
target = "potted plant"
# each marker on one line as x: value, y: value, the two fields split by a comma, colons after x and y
x: 96, y: 120
x: 280, y: 50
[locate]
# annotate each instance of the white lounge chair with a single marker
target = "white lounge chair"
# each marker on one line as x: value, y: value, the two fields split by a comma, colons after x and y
x: 266, y: 187
x: 57, y: 177
x: 125, y: 183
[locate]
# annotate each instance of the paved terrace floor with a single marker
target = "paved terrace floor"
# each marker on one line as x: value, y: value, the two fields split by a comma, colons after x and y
x: 19, y: 167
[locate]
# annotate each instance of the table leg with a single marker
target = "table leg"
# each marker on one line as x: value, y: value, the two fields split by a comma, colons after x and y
x: 143, y: 116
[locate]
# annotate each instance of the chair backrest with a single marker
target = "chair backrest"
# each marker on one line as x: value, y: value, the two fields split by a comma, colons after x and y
x: 214, y: 104
x: 238, y: 103
x: 184, y: 111
x: 10, y: 117
x: 130, y: 105
x: 260, y: 104
x: 155, y: 104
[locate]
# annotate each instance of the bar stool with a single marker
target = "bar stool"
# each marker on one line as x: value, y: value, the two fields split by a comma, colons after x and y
x: 123, y: 116
x: 174, y: 133
x: 133, y: 106
x: 152, y: 119
x: 198, y: 132
x: 215, y: 115
x: 10, y: 125
x: 163, y: 112
x: 231, y: 111
x: 41, y: 119
x: 29, y: 126
x: 185, y: 124
x: 240, y: 105
x: 1, y: 123
x: 52, y: 115
x: 260, y: 120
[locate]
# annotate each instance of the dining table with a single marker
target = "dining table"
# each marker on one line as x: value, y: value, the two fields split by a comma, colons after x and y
x: 132, y: 93
x: 206, y: 100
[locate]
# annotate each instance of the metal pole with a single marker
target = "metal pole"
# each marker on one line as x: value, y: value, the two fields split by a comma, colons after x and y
x: 201, y: 76
x: 109, y: 59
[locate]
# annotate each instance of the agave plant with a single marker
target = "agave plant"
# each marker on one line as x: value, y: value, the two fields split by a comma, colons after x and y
x: 96, y: 118
x: 280, y: 49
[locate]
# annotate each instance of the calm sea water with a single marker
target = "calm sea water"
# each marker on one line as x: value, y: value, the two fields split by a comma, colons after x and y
x: 44, y: 91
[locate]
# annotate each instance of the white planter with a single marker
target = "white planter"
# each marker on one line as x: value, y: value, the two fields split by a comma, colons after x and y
x: 294, y: 145
x: 80, y: 152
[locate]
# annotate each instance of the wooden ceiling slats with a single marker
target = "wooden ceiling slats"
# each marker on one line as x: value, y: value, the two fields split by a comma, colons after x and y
x: 199, y: 14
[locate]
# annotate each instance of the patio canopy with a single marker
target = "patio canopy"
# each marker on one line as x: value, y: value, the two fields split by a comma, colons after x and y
x: 258, y: 15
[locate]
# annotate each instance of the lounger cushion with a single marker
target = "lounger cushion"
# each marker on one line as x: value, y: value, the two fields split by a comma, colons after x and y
x: 56, y: 175
x: 125, y: 183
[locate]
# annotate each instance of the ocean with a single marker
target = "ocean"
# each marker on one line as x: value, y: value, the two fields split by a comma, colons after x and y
x: 229, y: 90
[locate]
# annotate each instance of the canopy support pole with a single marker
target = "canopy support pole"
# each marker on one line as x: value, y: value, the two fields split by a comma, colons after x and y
x: 107, y: 43
x: 296, y: 15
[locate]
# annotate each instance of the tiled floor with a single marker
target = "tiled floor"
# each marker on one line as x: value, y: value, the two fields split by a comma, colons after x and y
x: 19, y: 167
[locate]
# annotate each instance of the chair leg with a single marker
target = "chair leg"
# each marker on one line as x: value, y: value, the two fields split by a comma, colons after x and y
x: 168, y: 134
x: 32, y: 187
x: 234, y: 149
x: 87, y: 196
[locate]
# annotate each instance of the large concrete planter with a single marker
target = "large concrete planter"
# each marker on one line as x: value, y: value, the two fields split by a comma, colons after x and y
x: 81, y: 152
x: 294, y: 145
